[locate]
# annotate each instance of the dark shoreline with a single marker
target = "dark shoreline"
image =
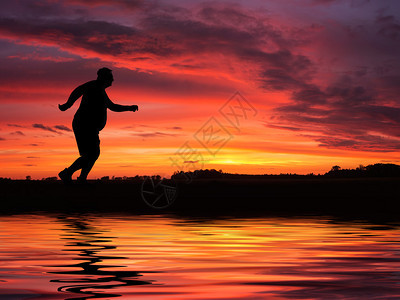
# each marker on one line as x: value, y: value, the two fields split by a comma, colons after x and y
x: 326, y: 196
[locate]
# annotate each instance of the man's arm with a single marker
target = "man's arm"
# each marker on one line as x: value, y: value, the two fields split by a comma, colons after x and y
x: 119, y: 108
x: 75, y: 95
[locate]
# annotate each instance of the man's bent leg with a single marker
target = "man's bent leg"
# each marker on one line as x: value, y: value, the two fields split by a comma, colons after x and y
x: 89, y: 155
x: 76, y: 165
x: 66, y: 174
x: 88, y: 165
x: 89, y: 149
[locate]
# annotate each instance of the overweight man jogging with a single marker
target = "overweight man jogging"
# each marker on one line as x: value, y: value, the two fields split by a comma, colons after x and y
x: 89, y: 120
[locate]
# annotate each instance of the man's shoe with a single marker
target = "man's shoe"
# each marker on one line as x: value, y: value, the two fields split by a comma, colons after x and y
x: 65, y: 176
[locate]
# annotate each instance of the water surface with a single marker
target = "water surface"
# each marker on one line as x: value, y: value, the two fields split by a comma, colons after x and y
x: 167, y: 257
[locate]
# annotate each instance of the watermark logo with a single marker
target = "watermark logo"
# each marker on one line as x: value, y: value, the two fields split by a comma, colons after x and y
x: 212, y: 136
x: 237, y: 109
x: 187, y: 158
x: 159, y: 193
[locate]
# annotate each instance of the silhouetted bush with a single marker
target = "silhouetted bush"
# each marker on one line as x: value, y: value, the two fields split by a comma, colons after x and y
x: 375, y: 170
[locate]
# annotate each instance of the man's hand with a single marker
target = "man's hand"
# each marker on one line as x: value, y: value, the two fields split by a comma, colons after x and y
x: 134, y: 107
x: 62, y: 107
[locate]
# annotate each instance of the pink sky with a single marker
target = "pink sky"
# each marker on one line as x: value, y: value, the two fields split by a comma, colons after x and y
x: 322, y: 78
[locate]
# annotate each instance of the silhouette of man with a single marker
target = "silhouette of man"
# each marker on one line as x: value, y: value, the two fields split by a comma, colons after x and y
x: 89, y: 120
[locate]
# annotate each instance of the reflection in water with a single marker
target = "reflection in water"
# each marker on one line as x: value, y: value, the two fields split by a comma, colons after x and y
x: 92, y: 279
x: 222, y: 258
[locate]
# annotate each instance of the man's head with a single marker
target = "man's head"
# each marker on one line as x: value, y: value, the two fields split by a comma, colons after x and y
x: 104, y: 75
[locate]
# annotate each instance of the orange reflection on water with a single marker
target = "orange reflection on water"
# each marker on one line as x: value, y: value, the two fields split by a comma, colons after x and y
x: 166, y: 257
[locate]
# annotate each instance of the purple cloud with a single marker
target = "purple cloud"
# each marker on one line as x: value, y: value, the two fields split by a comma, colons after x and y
x: 154, y: 134
x: 62, y: 127
x: 15, y: 125
x: 17, y: 133
x: 43, y: 127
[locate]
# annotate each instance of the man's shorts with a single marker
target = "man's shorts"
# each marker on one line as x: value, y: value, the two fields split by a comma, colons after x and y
x: 87, y: 139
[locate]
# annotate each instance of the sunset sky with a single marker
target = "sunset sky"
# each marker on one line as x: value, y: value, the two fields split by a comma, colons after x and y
x: 318, y: 83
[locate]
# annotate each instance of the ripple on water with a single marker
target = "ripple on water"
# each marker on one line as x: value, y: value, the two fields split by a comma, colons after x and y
x: 166, y: 257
